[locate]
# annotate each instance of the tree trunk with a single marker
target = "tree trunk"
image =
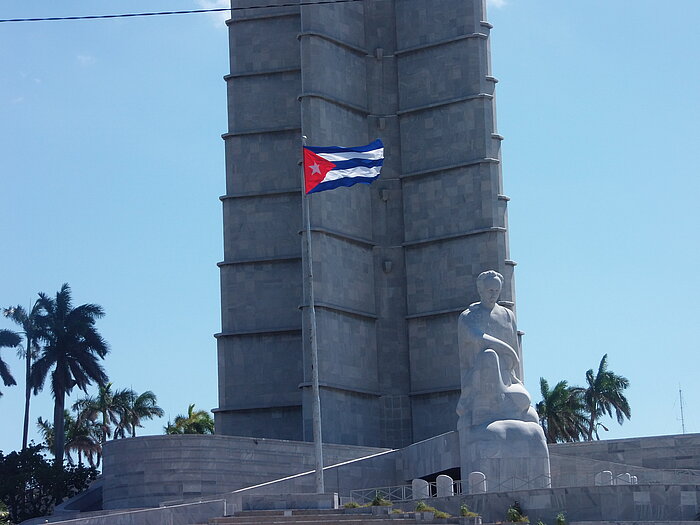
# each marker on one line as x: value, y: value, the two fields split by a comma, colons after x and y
x: 27, y: 394
x: 59, y: 434
x: 591, y: 427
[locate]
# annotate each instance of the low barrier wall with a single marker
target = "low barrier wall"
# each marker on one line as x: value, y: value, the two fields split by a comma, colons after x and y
x: 145, y: 471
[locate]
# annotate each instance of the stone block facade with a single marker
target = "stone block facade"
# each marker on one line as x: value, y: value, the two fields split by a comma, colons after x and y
x: 395, y: 262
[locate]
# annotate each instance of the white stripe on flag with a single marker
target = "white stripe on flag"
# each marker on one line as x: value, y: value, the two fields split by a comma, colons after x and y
x: 351, y: 173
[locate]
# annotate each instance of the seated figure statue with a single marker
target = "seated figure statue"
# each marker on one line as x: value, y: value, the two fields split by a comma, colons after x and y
x: 499, y: 431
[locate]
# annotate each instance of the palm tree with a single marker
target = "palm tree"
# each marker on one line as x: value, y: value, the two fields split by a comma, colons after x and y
x: 29, y: 321
x: 9, y: 339
x: 83, y: 438
x: 46, y: 430
x: 562, y: 412
x: 143, y: 406
x: 79, y: 437
x: 106, y: 409
x: 73, y: 347
x: 195, y: 422
x: 604, y: 395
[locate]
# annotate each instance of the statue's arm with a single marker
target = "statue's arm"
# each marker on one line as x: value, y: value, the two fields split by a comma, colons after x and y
x: 469, y: 332
x: 502, y: 348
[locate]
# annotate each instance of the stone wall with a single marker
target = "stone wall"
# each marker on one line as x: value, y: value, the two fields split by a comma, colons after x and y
x: 577, y: 471
x: 145, y: 471
x: 650, y: 503
x: 681, y: 451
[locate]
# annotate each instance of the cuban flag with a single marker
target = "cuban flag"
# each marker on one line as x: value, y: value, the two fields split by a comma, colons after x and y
x: 329, y: 167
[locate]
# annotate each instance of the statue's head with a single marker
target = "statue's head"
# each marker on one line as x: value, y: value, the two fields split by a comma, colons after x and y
x: 489, y: 285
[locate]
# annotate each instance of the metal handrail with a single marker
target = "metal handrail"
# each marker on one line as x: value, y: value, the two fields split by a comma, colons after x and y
x: 401, y: 493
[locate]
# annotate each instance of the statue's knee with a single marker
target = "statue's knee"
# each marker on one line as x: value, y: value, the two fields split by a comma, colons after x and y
x: 488, y: 360
x: 489, y: 366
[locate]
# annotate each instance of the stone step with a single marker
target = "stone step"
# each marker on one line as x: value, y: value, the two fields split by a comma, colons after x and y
x: 639, y: 522
x: 318, y: 517
x: 306, y: 518
x: 299, y: 512
x: 359, y: 516
x: 301, y: 520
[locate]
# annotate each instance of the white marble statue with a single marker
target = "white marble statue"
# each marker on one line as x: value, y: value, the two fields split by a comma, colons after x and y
x: 499, y: 430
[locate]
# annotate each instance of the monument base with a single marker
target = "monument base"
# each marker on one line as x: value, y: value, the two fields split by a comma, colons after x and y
x: 511, y: 454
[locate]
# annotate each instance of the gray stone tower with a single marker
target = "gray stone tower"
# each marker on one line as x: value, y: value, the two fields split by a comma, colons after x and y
x: 395, y: 262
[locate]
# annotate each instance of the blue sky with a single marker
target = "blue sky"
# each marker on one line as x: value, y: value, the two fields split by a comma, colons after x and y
x: 111, y: 164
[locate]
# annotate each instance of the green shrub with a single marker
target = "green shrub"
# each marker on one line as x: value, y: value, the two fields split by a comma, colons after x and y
x: 351, y: 505
x: 396, y: 511
x: 514, y: 514
x: 422, y: 507
x: 4, y: 514
x: 465, y: 512
x: 560, y: 519
x: 380, y: 501
x: 540, y: 522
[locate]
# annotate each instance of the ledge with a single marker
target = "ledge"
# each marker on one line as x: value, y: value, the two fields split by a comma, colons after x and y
x: 262, y: 73
x: 259, y: 331
x: 275, y: 258
x: 286, y: 14
x: 350, y: 47
x: 443, y: 103
x: 257, y: 406
x: 502, y: 197
x: 340, y: 235
x: 421, y: 47
x: 333, y: 386
x: 430, y: 240
x: 341, y: 309
x: 260, y: 131
x: 449, y: 167
x: 251, y: 194
x: 450, y: 311
x: 436, y: 391
x: 337, y: 102
x: 437, y: 313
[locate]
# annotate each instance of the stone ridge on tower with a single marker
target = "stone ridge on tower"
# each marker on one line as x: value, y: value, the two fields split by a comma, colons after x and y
x: 395, y: 262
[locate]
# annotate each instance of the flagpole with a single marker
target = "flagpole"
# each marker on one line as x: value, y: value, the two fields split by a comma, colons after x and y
x: 316, y: 395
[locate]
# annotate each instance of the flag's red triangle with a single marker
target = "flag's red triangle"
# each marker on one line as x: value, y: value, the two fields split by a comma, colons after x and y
x: 315, y: 169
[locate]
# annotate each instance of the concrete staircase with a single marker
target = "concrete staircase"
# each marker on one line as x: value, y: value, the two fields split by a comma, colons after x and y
x: 325, y: 517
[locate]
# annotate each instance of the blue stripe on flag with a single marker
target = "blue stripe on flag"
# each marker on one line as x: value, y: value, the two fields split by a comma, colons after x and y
x: 343, y: 182
x: 354, y: 163
x: 337, y: 149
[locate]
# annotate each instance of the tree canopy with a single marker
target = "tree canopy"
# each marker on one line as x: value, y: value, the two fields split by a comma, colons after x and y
x: 562, y: 412
x: 8, y: 339
x: 30, y: 485
x: 573, y: 413
x: 604, y: 394
x: 195, y: 422
x: 71, y: 354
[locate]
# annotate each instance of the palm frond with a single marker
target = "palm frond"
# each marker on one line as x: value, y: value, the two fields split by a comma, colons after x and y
x: 9, y: 338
